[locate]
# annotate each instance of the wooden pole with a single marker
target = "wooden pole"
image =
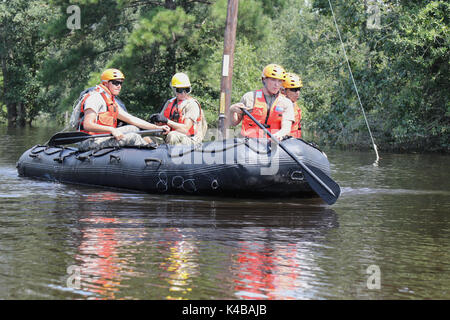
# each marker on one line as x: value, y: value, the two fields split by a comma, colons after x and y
x: 227, y: 65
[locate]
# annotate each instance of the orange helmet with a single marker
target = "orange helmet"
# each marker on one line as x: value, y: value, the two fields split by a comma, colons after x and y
x: 112, y: 74
x: 292, y: 81
x: 274, y: 71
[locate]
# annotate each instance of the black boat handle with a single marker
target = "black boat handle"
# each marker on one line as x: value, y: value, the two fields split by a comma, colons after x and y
x: 147, y: 160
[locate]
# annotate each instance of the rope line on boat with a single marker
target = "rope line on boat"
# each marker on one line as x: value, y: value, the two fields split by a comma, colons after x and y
x: 232, y: 146
x: 61, y: 158
x: 354, y: 84
x: 43, y: 148
x: 251, y: 144
x: 196, y: 147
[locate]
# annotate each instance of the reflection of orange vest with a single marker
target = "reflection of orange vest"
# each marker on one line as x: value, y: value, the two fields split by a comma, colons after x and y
x: 107, y: 118
x: 296, y: 129
x: 175, y: 113
x: 271, y: 117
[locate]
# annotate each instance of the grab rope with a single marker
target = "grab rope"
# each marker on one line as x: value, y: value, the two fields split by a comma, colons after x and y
x: 199, y: 148
x: 356, y: 88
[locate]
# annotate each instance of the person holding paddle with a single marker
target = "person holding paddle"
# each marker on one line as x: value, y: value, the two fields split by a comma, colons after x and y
x: 267, y: 105
x: 100, y: 112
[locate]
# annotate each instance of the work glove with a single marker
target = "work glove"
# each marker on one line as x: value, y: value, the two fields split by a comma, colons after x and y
x: 158, y: 118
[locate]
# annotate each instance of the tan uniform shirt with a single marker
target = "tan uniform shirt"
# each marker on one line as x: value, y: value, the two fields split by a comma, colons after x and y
x: 95, y: 102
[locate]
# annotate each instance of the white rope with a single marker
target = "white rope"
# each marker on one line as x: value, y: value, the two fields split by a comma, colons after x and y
x: 356, y: 88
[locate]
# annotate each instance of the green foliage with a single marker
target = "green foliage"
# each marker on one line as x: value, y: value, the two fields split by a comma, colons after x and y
x: 421, y: 75
x: 21, y: 53
x: 161, y: 27
x: 400, y: 70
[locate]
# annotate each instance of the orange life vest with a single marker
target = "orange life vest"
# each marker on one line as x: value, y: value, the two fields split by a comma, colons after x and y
x: 296, y: 129
x: 175, y: 113
x: 107, y: 118
x: 271, y: 117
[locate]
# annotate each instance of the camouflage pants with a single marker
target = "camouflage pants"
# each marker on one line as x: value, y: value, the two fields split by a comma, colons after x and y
x: 177, y: 138
x: 129, y: 139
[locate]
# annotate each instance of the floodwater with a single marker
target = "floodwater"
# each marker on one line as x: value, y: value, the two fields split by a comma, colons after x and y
x: 387, y: 237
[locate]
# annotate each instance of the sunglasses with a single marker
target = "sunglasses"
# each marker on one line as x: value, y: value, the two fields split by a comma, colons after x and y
x: 116, y: 82
x: 181, y: 90
x: 294, y: 89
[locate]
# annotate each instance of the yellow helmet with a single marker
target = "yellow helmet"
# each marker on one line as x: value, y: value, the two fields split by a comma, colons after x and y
x: 274, y: 71
x: 111, y: 74
x: 180, y: 80
x: 292, y: 81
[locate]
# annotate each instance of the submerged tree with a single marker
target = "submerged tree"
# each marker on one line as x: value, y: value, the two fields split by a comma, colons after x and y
x: 400, y: 66
x: 22, y: 49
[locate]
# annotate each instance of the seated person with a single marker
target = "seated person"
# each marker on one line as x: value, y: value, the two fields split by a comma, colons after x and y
x: 291, y: 89
x: 267, y: 106
x: 182, y: 114
x: 100, y: 113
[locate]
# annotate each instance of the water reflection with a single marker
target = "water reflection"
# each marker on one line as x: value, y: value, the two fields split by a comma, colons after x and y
x: 281, y: 270
x: 148, y: 247
x: 98, y: 255
x: 179, y: 263
x: 100, y: 252
x: 265, y: 273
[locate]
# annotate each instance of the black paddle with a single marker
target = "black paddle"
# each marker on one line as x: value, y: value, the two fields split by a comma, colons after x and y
x: 322, y: 184
x: 78, y: 136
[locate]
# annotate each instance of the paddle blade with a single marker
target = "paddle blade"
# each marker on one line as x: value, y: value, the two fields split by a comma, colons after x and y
x: 322, y: 184
x: 67, y: 138
x: 318, y: 188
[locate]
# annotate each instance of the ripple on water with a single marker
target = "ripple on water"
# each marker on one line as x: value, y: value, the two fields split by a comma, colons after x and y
x: 349, y: 191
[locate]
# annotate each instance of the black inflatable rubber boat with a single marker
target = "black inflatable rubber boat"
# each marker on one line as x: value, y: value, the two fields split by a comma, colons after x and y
x: 234, y: 167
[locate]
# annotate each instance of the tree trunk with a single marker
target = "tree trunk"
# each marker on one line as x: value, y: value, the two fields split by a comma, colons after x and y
x: 11, y: 109
x: 170, y: 4
x: 21, y: 114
